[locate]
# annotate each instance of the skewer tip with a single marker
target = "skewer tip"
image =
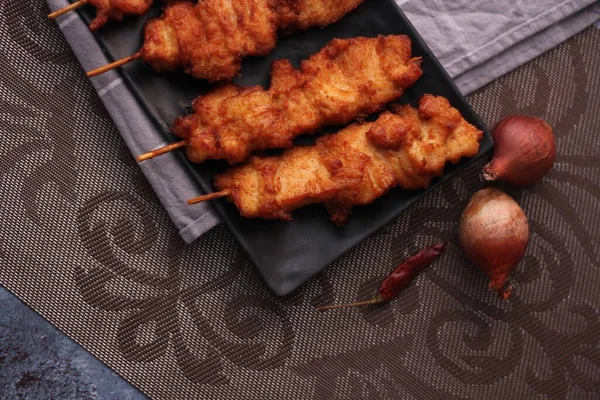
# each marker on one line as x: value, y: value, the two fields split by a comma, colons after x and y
x: 64, y: 10
x: 113, y: 65
x: 211, y: 196
x: 161, y: 150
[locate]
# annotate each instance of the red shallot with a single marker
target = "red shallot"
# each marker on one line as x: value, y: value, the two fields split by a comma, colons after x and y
x: 493, y: 232
x: 524, y: 151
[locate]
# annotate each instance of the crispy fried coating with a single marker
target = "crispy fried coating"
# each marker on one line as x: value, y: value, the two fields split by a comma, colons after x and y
x: 407, y: 147
x: 302, y: 14
x: 210, y: 38
x: 116, y: 9
x: 347, y: 79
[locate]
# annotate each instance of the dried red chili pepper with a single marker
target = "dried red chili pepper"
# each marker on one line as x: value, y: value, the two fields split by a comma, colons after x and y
x: 400, y: 278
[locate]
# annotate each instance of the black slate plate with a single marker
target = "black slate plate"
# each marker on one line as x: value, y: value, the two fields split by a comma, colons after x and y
x: 289, y: 253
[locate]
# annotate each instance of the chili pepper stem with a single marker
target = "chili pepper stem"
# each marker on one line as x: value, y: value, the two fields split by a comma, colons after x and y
x: 376, y: 300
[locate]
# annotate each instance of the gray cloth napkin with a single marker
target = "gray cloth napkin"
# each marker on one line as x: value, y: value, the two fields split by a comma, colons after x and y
x: 476, y: 40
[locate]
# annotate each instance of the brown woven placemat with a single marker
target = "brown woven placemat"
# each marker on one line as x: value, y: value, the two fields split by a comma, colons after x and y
x: 84, y: 242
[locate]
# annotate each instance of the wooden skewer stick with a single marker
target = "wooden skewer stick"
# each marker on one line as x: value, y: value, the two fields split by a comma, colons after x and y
x: 113, y: 65
x: 66, y: 9
x: 162, y: 150
x: 211, y: 196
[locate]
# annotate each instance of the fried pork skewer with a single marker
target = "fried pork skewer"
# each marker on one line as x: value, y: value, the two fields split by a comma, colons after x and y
x: 107, y: 9
x: 208, y: 39
x: 407, y: 147
x: 347, y: 79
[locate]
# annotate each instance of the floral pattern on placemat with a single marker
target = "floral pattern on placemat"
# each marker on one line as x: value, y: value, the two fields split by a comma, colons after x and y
x: 85, y: 242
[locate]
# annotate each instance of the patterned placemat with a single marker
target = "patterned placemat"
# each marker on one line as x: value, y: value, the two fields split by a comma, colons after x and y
x: 84, y: 241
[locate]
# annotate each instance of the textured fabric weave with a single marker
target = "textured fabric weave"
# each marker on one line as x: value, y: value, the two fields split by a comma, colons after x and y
x: 85, y: 242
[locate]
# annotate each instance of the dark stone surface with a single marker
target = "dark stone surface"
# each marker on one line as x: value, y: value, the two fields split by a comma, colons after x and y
x: 37, y: 361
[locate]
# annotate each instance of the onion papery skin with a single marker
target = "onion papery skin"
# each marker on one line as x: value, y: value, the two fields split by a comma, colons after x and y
x: 524, y: 151
x: 493, y: 233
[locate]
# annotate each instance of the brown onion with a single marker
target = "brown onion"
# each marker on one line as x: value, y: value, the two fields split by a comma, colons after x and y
x: 493, y: 232
x: 524, y: 151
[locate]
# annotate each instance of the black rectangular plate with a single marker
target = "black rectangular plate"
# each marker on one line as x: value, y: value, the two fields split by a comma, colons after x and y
x: 289, y: 253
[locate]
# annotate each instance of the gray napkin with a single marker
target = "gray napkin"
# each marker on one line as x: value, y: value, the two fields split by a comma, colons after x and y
x: 476, y: 40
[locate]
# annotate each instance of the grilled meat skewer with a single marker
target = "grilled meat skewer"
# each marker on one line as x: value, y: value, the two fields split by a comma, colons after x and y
x: 210, y: 38
x: 346, y: 80
x: 116, y: 9
x: 407, y: 147
x: 107, y: 9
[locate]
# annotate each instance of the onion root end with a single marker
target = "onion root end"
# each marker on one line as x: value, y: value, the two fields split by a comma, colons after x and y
x: 503, y: 294
x: 488, y: 174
